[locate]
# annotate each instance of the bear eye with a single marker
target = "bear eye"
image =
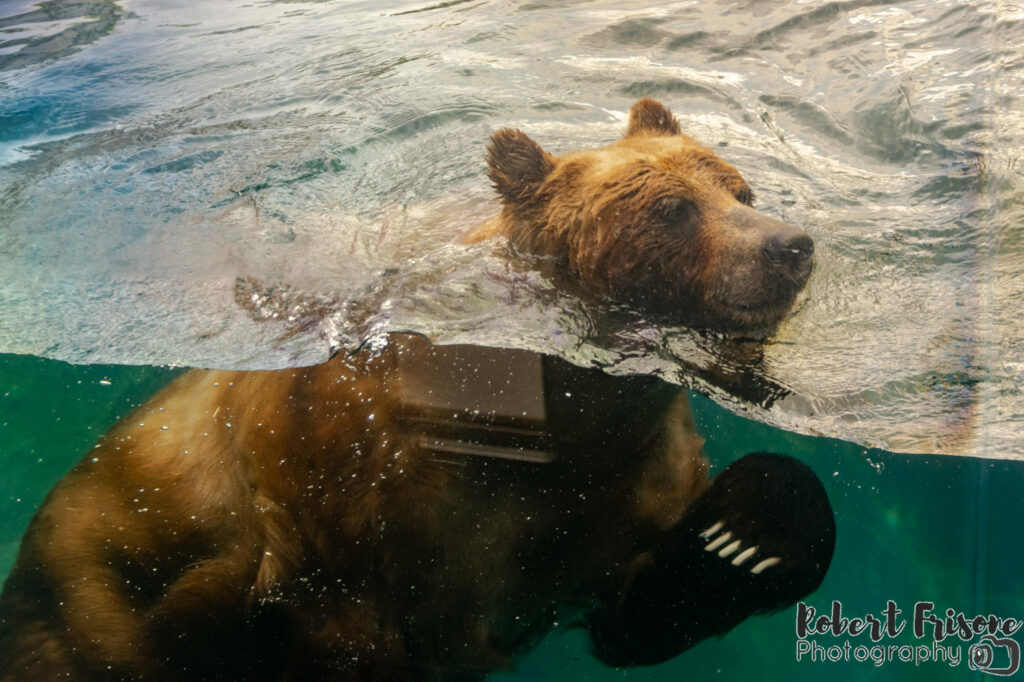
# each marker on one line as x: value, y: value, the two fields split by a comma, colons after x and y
x: 675, y: 209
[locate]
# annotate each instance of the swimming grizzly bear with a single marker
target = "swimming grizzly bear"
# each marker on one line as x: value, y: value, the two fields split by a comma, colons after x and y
x: 429, y: 512
x: 654, y: 219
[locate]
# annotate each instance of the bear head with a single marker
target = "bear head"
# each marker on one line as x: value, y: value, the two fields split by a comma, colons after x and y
x: 654, y: 219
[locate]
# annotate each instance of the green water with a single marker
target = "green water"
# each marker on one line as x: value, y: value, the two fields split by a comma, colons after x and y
x: 50, y: 414
x: 910, y: 528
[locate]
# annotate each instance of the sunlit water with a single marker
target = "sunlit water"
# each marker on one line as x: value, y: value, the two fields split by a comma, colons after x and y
x: 251, y: 185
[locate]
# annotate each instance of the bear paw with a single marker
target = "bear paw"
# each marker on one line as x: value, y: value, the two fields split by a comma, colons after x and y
x: 760, y: 538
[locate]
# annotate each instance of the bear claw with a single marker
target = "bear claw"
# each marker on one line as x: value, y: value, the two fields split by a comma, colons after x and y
x: 732, y: 547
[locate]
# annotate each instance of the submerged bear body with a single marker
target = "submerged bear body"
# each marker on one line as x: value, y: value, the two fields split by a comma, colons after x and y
x: 365, y: 519
x: 303, y: 511
x: 428, y: 513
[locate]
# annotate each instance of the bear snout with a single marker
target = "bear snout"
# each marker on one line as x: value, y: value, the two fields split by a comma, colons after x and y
x: 788, y: 251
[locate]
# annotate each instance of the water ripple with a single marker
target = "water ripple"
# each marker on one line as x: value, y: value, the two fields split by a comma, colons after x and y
x: 327, y: 155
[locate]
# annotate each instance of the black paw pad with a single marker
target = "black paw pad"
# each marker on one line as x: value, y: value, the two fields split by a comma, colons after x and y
x: 768, y: 523
x: 760, y: 538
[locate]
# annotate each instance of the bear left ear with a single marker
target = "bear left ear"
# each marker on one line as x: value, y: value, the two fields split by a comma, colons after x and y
x: 518, y: 166
x: 650, y: 117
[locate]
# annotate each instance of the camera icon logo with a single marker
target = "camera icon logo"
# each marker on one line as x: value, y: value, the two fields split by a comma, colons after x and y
x: 982, y: 656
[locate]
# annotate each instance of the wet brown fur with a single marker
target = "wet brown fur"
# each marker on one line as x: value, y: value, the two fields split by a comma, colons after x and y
x: 650, y: 219
x: 283, y: 521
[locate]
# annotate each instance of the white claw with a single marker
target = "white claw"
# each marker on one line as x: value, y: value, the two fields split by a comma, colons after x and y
x: 712, y: 530
x: 730, y: 548
x: 744, y: 555
x: 767, y: 563
x: 721, y: 540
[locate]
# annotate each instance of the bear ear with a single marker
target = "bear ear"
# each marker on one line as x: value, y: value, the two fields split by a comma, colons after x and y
x: 650, y: 117
x: 518, y: 166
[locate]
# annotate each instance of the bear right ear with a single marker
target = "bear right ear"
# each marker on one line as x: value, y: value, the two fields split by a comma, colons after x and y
x: 518, y: 166
x: 650, y: 117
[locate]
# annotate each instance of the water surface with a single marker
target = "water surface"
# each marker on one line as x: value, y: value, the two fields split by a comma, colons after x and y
x: 234, y: 184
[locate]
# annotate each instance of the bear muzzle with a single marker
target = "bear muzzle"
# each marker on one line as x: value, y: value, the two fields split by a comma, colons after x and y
x: 762, y: 266
x: 786, y: 251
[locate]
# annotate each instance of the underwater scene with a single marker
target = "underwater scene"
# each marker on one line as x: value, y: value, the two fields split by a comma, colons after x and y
x: 279, y: 185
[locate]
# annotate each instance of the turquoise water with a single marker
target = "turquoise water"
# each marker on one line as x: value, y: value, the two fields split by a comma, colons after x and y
x: 911, y: 528
x: 154, y: 154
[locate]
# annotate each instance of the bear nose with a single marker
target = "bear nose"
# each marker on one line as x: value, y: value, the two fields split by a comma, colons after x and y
x: 787, y: 250
x: 790, y: 250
